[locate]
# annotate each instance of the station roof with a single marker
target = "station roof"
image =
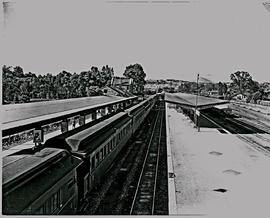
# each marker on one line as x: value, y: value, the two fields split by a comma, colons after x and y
x: 18, y: 115
x: 189, y: 100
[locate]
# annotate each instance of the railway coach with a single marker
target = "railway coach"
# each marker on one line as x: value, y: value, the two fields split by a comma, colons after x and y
x: 99, y: 145
x: 92, y: 151
x: 39, y: 182
x: 140, y: 111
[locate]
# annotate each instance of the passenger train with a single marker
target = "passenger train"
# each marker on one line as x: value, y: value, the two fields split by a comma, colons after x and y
x: 57, y: 178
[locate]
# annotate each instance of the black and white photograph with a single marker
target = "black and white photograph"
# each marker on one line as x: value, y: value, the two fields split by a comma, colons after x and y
x: 135, y: 108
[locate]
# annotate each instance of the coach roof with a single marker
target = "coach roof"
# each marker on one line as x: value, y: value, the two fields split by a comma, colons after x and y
x: 24, y: 162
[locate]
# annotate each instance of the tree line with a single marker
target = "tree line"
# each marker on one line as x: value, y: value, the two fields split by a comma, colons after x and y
x: 242, y: 84
x: 21, y: 87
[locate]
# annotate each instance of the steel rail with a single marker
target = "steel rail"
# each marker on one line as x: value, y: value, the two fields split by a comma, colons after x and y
x: 257, y: 146
x: 142, y: 171
x: 157, y: 165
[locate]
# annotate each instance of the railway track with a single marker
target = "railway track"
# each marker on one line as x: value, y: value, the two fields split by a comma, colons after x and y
x: 251, y: 117
x: 251, y: 139
x: 255, y: 144
x: 247, y: 133
x: 144, y: 200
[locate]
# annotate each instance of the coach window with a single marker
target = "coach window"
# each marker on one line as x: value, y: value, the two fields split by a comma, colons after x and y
x: 100, y: 155
x: 116, y: 139
x: 103, y: 153
x: 93, y: 163
x: 105, y: 150
x: 86, y: 184
x: 55, y: 201
x: 97, y: 158
x: 111, y: 145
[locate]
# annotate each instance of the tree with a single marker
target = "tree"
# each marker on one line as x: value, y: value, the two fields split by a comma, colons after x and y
x: 222, y: 88
x: 18, y: 71
x: 138, y: 75
x: 254, y: 86
x: 257, y: 96
x: 107, y: 74
x: 225, y: 88
x: 241, y: 80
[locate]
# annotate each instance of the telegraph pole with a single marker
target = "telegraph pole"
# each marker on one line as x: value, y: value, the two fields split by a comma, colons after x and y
x: 196, y: 115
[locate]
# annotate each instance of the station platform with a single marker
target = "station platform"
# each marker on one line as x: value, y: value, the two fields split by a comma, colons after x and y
x: 213, y: 174
x: 30, y: 144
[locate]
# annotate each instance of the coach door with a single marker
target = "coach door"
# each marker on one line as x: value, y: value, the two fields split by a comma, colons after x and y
x: 83, y: 180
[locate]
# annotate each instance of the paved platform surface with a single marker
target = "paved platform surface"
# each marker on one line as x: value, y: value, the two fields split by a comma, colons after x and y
x: 21, y: 114
x: 190, y: 100
x: 206, y: 161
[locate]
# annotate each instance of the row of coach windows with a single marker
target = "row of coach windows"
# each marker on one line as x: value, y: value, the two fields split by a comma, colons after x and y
x: 103, y: 152
x: 138, y: 115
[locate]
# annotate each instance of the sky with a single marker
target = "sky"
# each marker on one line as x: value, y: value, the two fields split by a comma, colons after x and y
x: 170, y: 39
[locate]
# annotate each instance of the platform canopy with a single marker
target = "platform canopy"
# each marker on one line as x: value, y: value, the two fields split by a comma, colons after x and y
x: 20, y: 117
x: 189, y: 101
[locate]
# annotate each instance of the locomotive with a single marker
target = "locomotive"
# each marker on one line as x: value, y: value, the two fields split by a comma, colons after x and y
x: 56, y: 178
